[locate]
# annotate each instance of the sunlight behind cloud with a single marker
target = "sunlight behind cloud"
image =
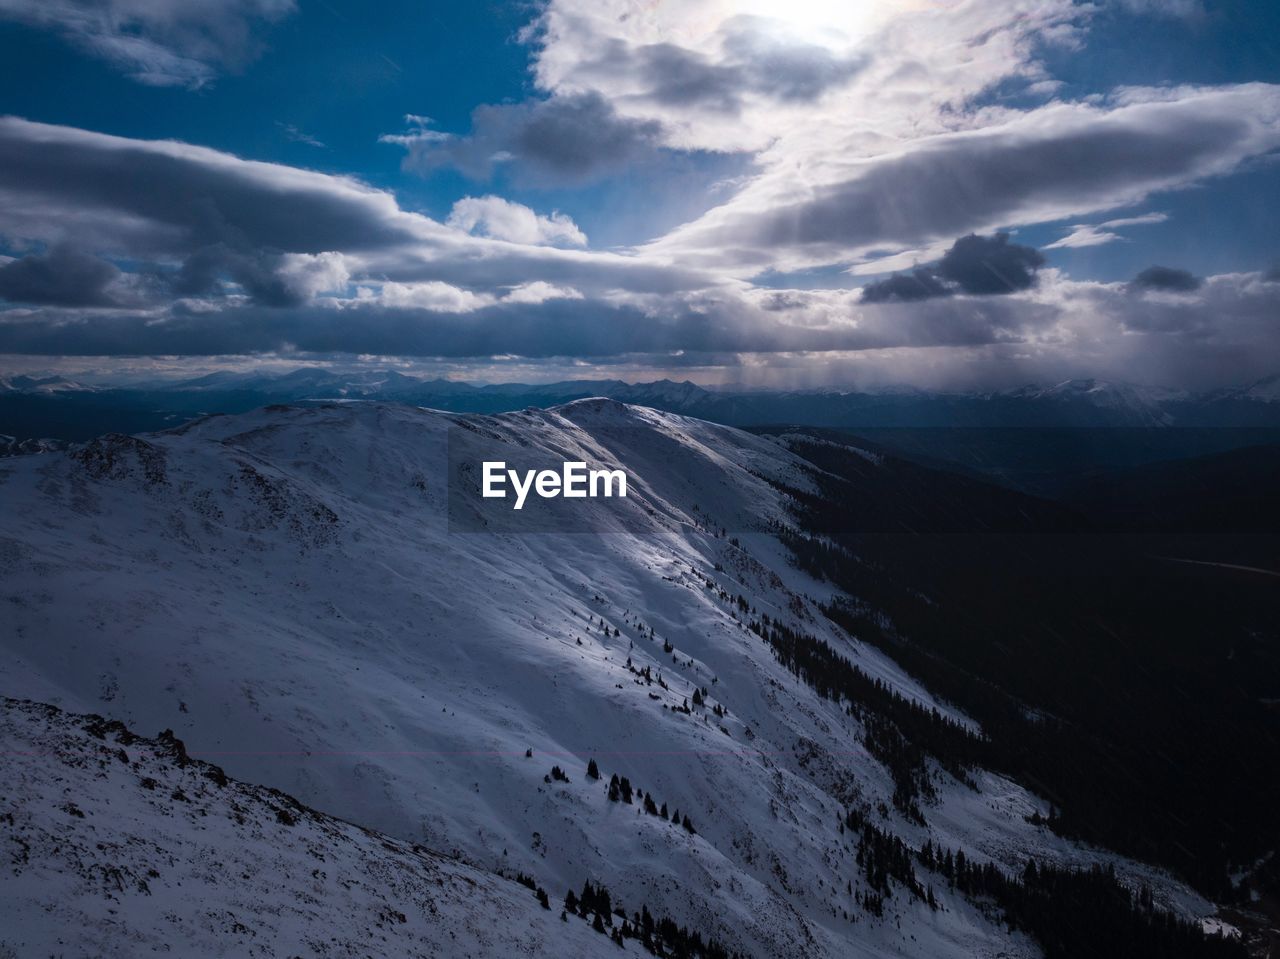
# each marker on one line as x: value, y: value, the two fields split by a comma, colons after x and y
x: 829, y: 21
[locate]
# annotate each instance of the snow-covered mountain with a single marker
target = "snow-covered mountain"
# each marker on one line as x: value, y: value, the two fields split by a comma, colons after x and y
x: 1126, y: 404
x: 68, y: 410
x: 12, y: 446
x: 121, y: 845
x: 303, y: 597
x: 1266, y: 390
x: 41, y: 385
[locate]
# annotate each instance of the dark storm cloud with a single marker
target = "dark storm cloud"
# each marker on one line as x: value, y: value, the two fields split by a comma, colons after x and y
x: 60, y: 276
x: 1166, y: 278
x: 978, y: 265
x: 920, y: 284
x: 990, y: 264
x: 564, y: 139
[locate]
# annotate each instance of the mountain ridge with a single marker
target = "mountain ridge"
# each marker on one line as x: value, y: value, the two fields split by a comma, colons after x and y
x: 283, y: 590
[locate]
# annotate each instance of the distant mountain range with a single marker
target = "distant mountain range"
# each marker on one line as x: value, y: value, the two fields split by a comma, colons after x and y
x: 1038, y: 439
x: 1074, y: 403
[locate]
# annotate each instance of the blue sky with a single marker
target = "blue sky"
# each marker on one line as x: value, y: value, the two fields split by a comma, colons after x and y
x: 758, y: 190
x: 380, y: 62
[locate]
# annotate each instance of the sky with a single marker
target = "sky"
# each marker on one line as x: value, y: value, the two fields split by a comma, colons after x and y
x: 790, y: 193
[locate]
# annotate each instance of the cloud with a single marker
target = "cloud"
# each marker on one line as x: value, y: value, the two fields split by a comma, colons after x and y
x: 974, y: 264
x: 788, y: 82
x: 750, y: 60
x: 919, y: 284
x: 433, y: 296
x: 169, y: 198
x: 61, y: 276
x: 1167, y: 279
x: 990, y: 264
x: 266, y: 278
x: 157, y: 42
x: 501, y: 219
x: 439, y: 319
x: 539, y: 292
x: 869, y: 139
x: 1066, y: 326
x: 208, y: 223
x: 439, y: 297
x: 311, y: 274
x: 1084, y: 235
x: 565, y: 139
x: 1043, y: 165
x: 1221, y: 333
x: 294, y: 135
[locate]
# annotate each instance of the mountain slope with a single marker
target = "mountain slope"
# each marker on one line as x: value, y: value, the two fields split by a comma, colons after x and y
x: 117, y: 845
x: 318, y: 600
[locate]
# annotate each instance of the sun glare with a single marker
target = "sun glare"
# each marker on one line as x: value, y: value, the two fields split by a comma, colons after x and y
x: 850, y: 19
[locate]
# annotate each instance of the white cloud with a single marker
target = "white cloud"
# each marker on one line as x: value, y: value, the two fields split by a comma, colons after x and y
x: 1084, y: 234
x: 871, y: 142
x: 310, y: 274
x: 872, y: 127
x: 433, y: 296
x: 200, y: 216
x: 1049, y: 163
x: 500, y: 219
x: 539, y: 292
x: 803, y: 85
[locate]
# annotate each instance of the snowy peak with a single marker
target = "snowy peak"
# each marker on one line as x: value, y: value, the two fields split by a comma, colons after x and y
x: 41, y: 384
x: 1132, y: 405
x: 1266, y: 390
